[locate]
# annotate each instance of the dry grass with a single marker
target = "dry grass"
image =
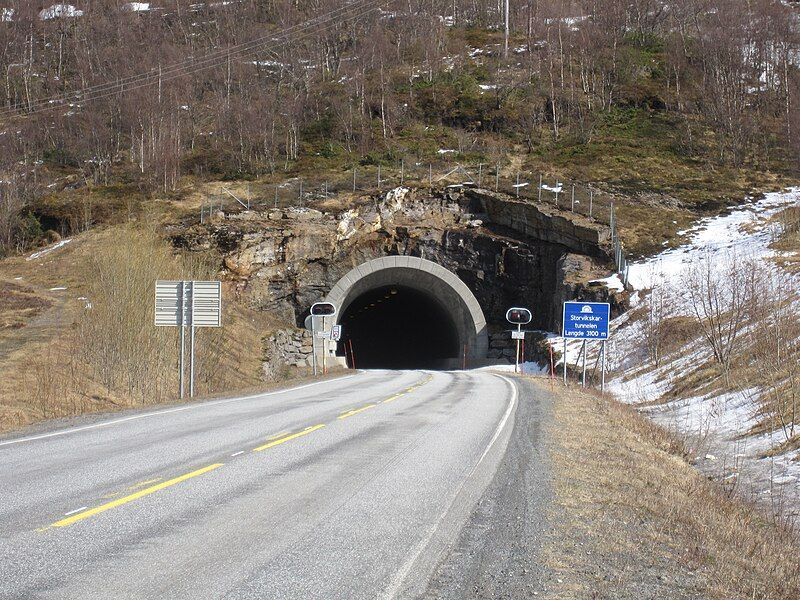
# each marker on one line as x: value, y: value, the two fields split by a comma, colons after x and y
x: 72, y: 360
x: 19, y: 304
x: 634, y: 520
x: 787, y: 241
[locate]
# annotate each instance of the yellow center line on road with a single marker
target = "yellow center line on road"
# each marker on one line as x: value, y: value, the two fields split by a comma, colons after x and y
x: 131, y: 488
x: 418, y: 385
x: 408, y: 390
x: 287, y: 438
x: 140, y: 494
x: 136, y: 486
x: 355, y: 411
x: 395, y: 397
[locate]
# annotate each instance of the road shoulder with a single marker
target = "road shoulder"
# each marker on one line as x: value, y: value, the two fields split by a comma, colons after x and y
x: 496, y: 554
x: 592, y: 500
x: 632, y: 519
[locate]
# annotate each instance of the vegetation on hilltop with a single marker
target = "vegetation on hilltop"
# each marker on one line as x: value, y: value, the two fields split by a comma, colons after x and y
x: 692, y: 99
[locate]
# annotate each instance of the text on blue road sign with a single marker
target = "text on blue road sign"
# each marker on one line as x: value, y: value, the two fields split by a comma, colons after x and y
x: 586, y: 320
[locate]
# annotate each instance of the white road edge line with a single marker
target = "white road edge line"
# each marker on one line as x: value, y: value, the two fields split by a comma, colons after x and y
x: 77, y: 510
x: 167, y: 411
x: 395, y: 586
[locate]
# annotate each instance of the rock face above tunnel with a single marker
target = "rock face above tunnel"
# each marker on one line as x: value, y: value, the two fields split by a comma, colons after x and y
x: 543, y: 222
x: 506, y: 252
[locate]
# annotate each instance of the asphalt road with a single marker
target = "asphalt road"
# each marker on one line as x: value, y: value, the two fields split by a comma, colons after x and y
x: 348, y: 488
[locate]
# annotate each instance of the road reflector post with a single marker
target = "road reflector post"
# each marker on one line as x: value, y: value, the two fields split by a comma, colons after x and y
x: 322, y: 310
x: 519, y: 317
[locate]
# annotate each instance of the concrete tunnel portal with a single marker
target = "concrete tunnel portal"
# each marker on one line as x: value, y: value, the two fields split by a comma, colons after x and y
x: 404, y: 312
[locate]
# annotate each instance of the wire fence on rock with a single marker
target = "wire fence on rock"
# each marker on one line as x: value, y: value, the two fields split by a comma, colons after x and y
x: 574, y: 197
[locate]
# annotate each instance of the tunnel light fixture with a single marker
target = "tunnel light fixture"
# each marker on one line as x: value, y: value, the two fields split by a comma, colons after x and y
x: 519, y: 316
x: 323, y: 309
x: 393, y: 291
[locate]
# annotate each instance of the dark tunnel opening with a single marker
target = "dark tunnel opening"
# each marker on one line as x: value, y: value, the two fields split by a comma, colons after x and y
x: 398, y: 327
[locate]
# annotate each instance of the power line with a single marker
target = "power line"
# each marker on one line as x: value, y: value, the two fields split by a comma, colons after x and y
x: 189, y: 66
x: 215, y: 58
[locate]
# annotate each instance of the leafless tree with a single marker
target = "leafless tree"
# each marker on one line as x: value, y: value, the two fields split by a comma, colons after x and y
x: 719, y: 299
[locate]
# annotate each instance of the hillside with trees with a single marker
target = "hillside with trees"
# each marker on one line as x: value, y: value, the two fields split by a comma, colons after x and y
x: 694, y: 101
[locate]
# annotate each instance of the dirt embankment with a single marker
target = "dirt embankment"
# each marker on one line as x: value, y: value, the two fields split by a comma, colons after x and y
x: 632, y: 519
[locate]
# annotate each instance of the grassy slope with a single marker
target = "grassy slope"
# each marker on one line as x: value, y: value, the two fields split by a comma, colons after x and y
x: 42, y: 372
x: 632, y: 519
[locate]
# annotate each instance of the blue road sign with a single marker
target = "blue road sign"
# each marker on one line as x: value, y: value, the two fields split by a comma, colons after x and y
x: 586, y: 320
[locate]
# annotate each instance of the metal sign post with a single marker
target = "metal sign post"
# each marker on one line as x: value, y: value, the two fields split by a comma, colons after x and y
x: 309, y: 324
x: 583, y: 351
x: 191, y: 341
x: 565, y: 361
x: 320, y: 309
x: 603, y: 368
x: 183, y: 332
x: 313, y: 345
x: 324, y: 343
x: 519, y: 317
x: 192, y: 303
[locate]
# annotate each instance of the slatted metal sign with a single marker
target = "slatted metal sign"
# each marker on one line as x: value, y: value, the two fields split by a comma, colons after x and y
x: 168, y: 304
x: 197, y: 303
x: 206, y: 301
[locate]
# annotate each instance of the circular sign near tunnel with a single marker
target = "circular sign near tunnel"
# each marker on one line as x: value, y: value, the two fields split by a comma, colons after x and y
x: 404, y: 312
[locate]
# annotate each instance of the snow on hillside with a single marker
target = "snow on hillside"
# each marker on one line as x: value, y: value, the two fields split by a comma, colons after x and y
x: 718, y: 426
x: 49, y: 249
x: 136, y: 7
x: 745, y: 229
x: 57, y: 11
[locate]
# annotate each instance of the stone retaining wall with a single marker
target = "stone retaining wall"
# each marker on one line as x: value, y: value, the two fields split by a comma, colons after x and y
x: 286, y: 348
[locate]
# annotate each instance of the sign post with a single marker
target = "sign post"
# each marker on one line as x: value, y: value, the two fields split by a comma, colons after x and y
x: 583, y: 378
x: 191, y: 342
x: 320, y: 309
x: 192, y: 303
x: 183, y: 332
x: 603, y: 368
x: 585, y: 321
x: 519, y: 317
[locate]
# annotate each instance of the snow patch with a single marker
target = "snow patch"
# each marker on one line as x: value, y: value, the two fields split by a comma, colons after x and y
x: 136, y: 7
x: 60, y: 11
x: 49, y: 249
x: 613, y: 282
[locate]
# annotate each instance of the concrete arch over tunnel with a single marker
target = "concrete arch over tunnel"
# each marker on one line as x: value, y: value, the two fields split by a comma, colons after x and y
x: 408, y: 312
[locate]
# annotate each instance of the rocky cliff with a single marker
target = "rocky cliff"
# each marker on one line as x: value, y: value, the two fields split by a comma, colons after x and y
x: 507, y: 252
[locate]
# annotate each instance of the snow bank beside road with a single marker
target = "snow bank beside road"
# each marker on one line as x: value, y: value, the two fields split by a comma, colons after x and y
x: 718, y: 426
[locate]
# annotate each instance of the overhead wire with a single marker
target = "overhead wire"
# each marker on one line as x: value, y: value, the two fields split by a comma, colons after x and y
x: 289, y: 36
x: 190, y: 66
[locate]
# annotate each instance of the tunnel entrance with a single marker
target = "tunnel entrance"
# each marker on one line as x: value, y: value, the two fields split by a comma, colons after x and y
x: 398, y: 327
x: 404, y: 312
